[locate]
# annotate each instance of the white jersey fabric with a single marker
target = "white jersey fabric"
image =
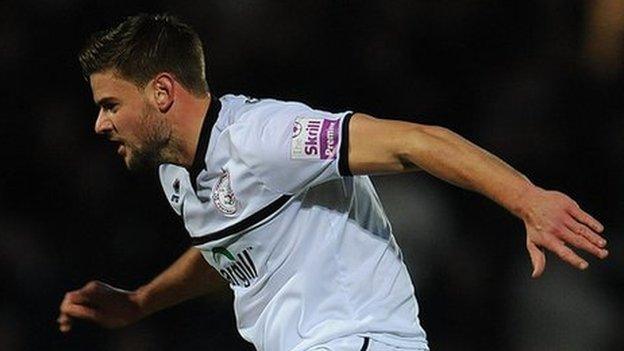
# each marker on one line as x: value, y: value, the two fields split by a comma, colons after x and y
x: 305, y: 246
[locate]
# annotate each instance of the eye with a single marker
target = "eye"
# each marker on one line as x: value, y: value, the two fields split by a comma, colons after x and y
x: 109, y: 107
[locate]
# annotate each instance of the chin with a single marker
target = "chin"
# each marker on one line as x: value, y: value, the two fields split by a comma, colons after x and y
x: 139, y: 162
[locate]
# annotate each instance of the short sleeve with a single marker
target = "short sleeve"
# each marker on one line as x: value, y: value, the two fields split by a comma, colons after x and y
x: 290, y: 146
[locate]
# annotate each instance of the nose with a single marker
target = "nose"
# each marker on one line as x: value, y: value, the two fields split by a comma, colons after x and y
x: 103, y: 124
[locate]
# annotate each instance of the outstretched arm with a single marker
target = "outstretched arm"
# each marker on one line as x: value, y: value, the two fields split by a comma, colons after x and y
x: 552, y: 219
x: 189, y: 277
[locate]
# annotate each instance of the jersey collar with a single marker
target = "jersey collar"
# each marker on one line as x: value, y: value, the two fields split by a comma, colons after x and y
x: 210, y: 119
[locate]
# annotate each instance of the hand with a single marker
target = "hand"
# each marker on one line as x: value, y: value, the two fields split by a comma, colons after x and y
x: 99, y: 303
x: 553, y: 221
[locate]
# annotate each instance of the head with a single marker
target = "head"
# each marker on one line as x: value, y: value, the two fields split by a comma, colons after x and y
x: 139, y: 72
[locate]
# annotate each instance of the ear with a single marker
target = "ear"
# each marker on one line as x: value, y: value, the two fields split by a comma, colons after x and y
x: 164, y: 93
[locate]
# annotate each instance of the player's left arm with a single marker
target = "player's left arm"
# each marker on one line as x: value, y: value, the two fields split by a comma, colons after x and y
x: 553, y: 221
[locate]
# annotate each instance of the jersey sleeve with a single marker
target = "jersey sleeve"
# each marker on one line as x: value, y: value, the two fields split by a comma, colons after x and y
x: 290, y: 146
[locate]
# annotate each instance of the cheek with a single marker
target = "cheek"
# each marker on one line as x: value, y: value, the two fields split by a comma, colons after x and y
x: 132, y: 127
x: 154, y: 128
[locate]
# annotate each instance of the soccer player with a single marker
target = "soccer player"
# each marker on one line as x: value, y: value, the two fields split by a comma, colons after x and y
x: 276, y: 198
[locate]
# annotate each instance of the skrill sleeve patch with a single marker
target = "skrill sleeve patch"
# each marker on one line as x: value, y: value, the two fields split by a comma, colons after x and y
x: 315, y: 138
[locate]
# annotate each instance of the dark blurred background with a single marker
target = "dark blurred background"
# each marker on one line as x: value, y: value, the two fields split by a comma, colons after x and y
x: 539, y: 83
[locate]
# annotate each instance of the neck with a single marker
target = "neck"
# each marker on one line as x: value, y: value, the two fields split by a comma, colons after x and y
x: 188, y: 127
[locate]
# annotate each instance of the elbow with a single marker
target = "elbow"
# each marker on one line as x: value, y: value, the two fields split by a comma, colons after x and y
x: 422, y: 142
x: 420, y: 136
x: 436, y: 131
x: 416, y: 131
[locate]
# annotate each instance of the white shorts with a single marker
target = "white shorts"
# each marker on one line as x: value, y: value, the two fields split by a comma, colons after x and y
x: 360, y: 343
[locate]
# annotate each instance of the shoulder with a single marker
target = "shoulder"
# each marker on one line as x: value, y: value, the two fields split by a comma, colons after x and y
x: 253, y: 124
x: 245, y: 109
x: 260, y: 125
x: 266, y: 128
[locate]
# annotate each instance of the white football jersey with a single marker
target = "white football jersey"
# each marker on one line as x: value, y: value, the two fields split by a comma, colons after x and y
x: 305, y: 246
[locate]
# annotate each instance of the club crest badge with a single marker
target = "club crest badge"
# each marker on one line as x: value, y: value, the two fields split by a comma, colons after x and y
x: 223, y: 196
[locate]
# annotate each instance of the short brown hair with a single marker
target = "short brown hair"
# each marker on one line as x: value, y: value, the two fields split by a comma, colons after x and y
x: 144, y: 45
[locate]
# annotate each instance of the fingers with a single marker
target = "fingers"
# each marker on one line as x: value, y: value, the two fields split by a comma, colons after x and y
x: 71, y: 310
x: 586, y: 232
x: 538, y: 259
x: 75, y: 304
x: 583, y: 217
x: 65, y: 319
x: 65, y: 323
x: 567, y: 255
x: 81, y: 312
x: 78, y: 297
x: 581, y: 237
x: 559, y: 221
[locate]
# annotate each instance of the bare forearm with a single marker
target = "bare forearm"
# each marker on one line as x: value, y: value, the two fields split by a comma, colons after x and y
x: 449, y: 156
x: 188, y: 277
x: 402, y: 146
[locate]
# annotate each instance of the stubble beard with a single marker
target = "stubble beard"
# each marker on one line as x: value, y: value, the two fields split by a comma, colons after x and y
x: 159, y: 145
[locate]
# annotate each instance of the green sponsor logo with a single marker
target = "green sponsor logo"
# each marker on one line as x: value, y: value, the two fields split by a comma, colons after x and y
x: 222, y: 251
x: 239, y: 270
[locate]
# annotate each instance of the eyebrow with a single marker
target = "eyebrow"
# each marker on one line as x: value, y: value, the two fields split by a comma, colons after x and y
x: 105, y: 100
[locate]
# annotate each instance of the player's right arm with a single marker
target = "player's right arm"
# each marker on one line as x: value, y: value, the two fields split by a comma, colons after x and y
x: 190, y: 276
